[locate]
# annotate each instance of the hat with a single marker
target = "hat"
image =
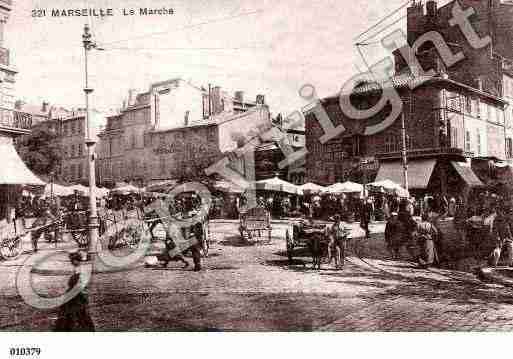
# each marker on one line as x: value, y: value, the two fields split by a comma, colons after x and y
x: 394, y: 213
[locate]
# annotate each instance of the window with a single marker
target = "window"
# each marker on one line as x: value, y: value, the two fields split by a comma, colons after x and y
x: 454, y: 137
x: 80, y: 170
x: 162, y: 165
x: 467, y: 141
x: 509, y: 147
x: 80, y: 150
x: 478, y: 138
x: 468, y: 105
x: 72, y: 151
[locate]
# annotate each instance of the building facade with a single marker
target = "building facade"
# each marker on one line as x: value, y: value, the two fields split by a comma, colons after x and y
x: 13, y: 124
x: 447, y: 124
x: 454, y: 122
x: 171, y: 130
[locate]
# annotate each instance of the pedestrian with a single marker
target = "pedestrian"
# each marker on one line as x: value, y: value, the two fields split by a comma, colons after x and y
x: 365, y: 216
x: 74, y: 314
x: 408, y: 226
x: 502, y: 234
x: 338, y: 236
x: 394, y: 234
x: 426, y: 234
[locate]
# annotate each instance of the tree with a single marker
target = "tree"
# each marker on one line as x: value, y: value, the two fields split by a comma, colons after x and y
x: 41, y: 152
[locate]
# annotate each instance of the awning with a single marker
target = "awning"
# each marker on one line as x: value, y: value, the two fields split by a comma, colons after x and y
x: 466, y: 173
x: 14, y: 170
x: 419, y: 172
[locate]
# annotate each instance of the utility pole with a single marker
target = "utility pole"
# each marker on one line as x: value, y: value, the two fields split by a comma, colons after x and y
x: 90, y: 142
x: 404, y: 153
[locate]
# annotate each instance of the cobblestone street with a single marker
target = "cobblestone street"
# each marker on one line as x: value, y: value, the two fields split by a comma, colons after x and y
x: 252, y: 288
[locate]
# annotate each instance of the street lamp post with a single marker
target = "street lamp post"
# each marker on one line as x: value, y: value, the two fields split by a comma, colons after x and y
x: 90, y: 142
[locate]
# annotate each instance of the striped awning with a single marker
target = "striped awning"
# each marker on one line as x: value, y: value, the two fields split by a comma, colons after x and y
x: 14, y: 170
x: 419, y: 172
x: 467, y: 174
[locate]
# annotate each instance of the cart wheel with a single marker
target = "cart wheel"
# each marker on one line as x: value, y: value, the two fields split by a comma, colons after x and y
x: 10, y: 248
x: 289, y: 245
x: 132, y: 236
x: 81, y: 238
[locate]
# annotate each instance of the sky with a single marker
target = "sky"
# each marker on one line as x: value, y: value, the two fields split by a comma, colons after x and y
x: 258, y: 46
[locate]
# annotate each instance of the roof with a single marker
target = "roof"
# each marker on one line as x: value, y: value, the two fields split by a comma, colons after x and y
x: 404, y: 81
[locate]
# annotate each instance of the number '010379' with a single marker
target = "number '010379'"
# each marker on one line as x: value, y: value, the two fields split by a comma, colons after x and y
x: 24, y: 351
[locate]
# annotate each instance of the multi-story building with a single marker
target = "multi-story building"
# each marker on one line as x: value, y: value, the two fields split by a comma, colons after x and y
x: 69, y: 128
x: 13, y: 124
x: 455, y: 122
x: 446, y: 122
x: 175, y: 125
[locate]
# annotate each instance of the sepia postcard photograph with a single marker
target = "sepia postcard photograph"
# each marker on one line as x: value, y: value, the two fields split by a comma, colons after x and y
x: 255, y: 166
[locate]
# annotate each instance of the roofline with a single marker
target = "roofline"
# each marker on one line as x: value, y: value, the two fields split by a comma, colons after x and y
x: 432, y: 80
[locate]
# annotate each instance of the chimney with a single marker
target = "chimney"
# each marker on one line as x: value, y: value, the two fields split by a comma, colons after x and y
x: 45, y: 106
x: 18, y: 104
x: 239, y: 96
x: 431, y: 8
x: 260, y: 100
x: 131, y: 97
x: 186, y: 119
x: 479, y: 83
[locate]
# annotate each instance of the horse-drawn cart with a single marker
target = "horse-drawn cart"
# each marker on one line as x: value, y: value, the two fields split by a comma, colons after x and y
x: 254, y: 222
x: 303, y: 234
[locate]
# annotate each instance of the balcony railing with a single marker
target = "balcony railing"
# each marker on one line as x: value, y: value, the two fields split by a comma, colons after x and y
x: 4, y: 56
x: 15, y: 119
x: 426, y: 152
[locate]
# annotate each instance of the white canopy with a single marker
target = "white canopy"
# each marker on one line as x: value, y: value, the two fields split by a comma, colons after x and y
x: 311, y: 188
x: 14, y: 170
x: 57, y: 190
x: 127, y: 189
x: 80, y: 188
x: 229, y: 187
x: 278, y: 185
x: 346, y: 187
x: 390, y: 186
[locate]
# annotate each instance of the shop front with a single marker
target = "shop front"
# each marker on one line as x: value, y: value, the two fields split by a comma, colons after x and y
x: 432, y: 176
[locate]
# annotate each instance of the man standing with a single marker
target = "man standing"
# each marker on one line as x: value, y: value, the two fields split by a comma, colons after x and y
x: 502, y: 233
x: 338, y: 235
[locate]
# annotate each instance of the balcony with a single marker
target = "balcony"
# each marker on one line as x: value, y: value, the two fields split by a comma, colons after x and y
x: 4, y: 56
x: 450, y: 152
x: 15, y: 121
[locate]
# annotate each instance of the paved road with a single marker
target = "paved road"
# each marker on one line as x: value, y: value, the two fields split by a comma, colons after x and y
x: 254, y: 288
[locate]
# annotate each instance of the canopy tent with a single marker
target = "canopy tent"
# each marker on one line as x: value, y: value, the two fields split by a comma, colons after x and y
x: 228, y: 187
x: 14, y: 170
x: 160, y: 186
x: 78, y: 187
x: 127, y: 189
x: 346, y: 187
x: 390, y: 187
x: 101, y: 191
x: 57, y: 190
x: 278, y: 185
x: 311, y: 188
